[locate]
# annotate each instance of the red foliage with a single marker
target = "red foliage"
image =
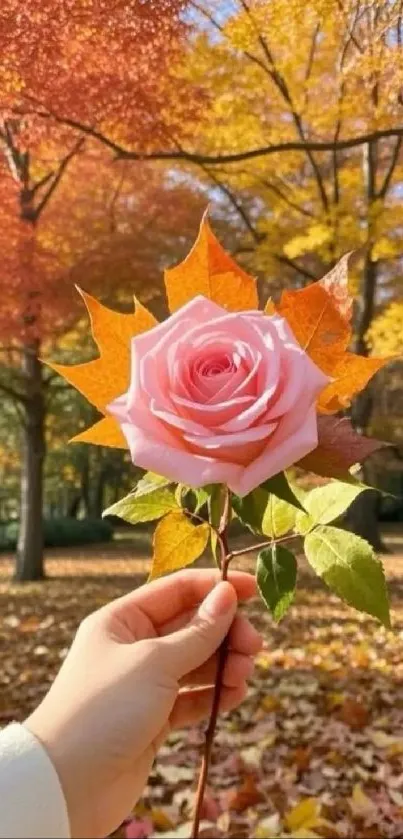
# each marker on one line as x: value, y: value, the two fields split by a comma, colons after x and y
x: 108, y: 65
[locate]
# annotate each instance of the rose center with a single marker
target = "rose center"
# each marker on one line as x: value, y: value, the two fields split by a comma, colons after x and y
x: 214, y: 365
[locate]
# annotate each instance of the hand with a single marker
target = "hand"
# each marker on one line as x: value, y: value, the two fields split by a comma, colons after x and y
x: 129, y: 678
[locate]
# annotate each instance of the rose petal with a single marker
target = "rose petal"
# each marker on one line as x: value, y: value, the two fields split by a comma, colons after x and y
x: 178, y: 421
x: 182, y: 466
x: 297, y: 435
x: 211, y: 442
x: 214, y: 415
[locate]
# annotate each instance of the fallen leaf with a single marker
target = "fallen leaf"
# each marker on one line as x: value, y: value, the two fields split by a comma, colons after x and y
x: 382, y: 740
x: 354, y: 714
x: 268, y: 827
x: 247, y: 795
x: 360, y: 804
x: 305, y: 815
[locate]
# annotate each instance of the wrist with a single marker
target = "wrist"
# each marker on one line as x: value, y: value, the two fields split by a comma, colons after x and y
x: 52, y: 741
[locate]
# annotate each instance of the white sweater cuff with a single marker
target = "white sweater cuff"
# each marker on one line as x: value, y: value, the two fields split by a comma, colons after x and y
x: 32, y: 800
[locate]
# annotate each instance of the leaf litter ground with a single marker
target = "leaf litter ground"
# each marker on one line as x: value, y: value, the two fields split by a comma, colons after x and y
x: 315, y: 750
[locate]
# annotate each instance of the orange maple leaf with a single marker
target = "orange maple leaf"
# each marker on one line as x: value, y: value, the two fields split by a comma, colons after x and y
x: 320, y: 318
x: 210, y: 271
x: 104, y: 378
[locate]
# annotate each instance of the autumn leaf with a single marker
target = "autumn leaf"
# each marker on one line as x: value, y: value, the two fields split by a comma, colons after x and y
x: 319, y: 316
x: 105, y: 432
x: 210, y: 271
x: 177, y: 543
x: 339, y: 448
x: 351, y: 374
x: 305, y: 815
x: 106, y: 377
x: 335, y: 282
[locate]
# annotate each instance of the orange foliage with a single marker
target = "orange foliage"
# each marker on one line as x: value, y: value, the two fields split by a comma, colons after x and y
x: 319, y: 316
x: 210, y: 271
x: 105, y: 64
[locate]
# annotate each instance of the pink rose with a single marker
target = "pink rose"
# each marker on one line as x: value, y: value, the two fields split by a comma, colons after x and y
x: 217, y: 397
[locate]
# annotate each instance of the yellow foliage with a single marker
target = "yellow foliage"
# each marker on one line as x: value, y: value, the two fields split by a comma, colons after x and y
x: 386, y: 332
x: 177, y: 543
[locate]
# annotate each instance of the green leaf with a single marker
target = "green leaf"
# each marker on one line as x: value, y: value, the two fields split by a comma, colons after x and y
x: 278, y: 517
x: 203, y: 495
x: 279, y: 486
x: 350, y: 568
x: 149, y: 482
x: 276, y: 575
x: 177, y: 543
x: 144, y: 507
x: 327, y: 503
x: 251, y: 508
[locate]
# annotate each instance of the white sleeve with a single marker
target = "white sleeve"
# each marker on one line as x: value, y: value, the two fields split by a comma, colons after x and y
x: 32, y: 804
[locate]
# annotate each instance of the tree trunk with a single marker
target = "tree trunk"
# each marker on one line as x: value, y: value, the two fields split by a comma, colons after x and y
x: 362, y: 518
x: 363, y: 513
x: 30, y: 541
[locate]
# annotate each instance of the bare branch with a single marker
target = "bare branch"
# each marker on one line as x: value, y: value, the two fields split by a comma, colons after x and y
x: 391, y: 168
x: 285, y: 260
x: 235, y: 157
x: 221, y: 30
x: 13, y: 394
x: 257, y: 237
x: 277, y: 191
x: 42, y: 182
x: 58, y: 176
x: 282, y: 86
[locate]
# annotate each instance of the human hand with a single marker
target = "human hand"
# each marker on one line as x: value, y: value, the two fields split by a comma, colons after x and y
x: 130, y: 677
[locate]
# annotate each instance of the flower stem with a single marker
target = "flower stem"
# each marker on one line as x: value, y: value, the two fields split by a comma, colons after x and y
x: 222, y: 655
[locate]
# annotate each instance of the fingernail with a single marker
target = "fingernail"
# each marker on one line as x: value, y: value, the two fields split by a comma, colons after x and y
x: 220, y: 600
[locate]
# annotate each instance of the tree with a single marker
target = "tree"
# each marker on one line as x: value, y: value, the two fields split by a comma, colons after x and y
x: 80, y: 59
x: 307, y: 146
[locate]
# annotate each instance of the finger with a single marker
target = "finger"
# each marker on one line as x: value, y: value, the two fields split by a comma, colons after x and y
x: 191, y: 646
x: 164, y: 599
x: 194, y: 706
x: 238, y: 668
x: 243, y: 637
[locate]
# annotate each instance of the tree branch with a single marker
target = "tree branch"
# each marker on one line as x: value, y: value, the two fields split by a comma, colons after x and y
x: 282, y: 86
x: 277, y: 191
x: 13, y: 394
x: 285, y: 260
x: 257, y: 237
x: 391, y: 168
x: 218, y: 159
x: 58, y: 176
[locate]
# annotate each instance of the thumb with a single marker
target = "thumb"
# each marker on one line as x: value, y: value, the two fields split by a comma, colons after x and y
x: 191, y: 646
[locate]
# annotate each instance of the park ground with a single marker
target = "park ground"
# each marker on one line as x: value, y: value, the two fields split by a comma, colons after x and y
x: 315, y: 750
